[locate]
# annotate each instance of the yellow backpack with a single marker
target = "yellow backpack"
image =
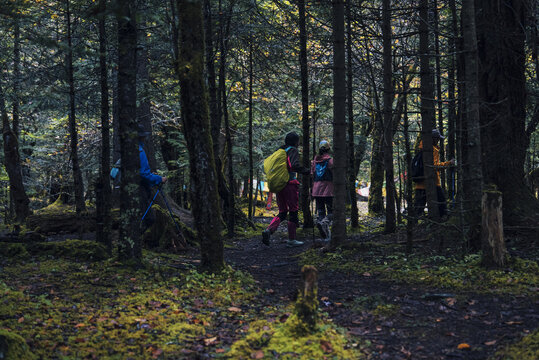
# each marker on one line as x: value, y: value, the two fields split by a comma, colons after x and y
x: 276, y: 169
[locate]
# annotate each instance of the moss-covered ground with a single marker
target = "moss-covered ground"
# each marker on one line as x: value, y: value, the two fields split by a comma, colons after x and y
x: 66, y: 307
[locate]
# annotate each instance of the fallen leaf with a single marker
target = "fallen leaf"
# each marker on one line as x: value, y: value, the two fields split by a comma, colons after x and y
x: 450, y: 301
x: 324, y: 298
x: 210, y: 341
x: 257, y: 355
x: 21, y: 319
x: 490, y: 343
x: 234, y: 309
x: 463, y: 346
x: 326, y: 346
x: 366, y: 274
x: 220, y: 351
x: 270, y: 291
x: 450, y: 334
x: 175, y: 291
x: 81, y: 325
x: 513, y: 322
x: 156, y: 353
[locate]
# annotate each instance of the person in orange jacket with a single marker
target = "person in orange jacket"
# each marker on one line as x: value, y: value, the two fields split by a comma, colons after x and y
x: 420, y: 186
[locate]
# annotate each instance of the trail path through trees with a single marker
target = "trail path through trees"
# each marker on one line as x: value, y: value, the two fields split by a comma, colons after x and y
x: 418, y: 323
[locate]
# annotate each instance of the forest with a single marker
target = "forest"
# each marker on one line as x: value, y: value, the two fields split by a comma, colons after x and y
x: 154, y: 150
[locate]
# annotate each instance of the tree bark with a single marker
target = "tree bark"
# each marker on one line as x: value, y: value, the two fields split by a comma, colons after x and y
x: 338, y: 230
x: 427, y: 108
x: 473, y: 177
x: 103, y: 196
x: 129, y: 236
x: 390, y: 224
x: 251, y: 163
x: 78, y: 184
x: 439, y: 100
x: 305, y: 121
x: 493, y: 243
x: 306, y: 307
x: 452, y: 108
x: 354, y: 221
x: 16, y: 74
x: 12, y: 162
x: 196, y: 127
x: 502, y: 88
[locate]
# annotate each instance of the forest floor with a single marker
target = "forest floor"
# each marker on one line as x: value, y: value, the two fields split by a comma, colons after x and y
x: 67, y: 301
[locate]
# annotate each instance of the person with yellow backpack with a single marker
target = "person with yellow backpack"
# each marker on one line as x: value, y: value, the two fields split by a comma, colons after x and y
x: 281, y: 168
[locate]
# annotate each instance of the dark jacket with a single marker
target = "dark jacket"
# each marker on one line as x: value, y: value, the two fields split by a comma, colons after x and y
x: 294, y: 163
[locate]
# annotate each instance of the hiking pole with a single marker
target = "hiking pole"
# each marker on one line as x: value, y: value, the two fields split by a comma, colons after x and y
x: 151, y: 203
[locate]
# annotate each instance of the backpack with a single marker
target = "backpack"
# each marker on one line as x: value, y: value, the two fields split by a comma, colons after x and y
x: 416, y: 169
x: 276, y: 169
x: 323, y: 172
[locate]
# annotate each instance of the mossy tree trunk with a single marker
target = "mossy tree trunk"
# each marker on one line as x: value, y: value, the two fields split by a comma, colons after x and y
x: 501, y: 33
x: 78, y: 184
x: 306, y: 307
x: 129, y: 238
x: 103, y: 195
x: 12, y: 163
x: 390, y: 223
x: 473, y: 176
x: 376, y: 199
x: 354, y: 222
x: 338, y: 230
x: 196, y: 127
x: 427, y: 108
x: 492, y: 243
x: 305, y: 118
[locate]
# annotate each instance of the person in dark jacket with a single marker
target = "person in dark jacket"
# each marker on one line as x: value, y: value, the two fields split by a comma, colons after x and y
x: 147, y: 180
x: 323, y: 187
x: 288, y: 198
x: 420, y: 186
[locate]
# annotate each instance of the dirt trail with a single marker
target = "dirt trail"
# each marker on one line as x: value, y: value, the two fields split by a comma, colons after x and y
x: 423, y: 327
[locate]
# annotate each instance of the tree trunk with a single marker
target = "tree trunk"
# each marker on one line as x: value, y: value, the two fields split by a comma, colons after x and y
x: 12, y: 162
x: 492, y: 243
x: 129, y: 237
x: 77, y: 174
x: 305, y: 121
x: 354, y: 222
x: 427, y: 108
x: 103, y: 196
x: 144, y: 115
x: 251, y: 164
x: 338, y: 230
x: 376, y: 199
x: 306, y: 307
x: 473, y: 177
x: 409, y: 187
x: 502, y: 86
x: 16, y: 74
x: 439, y: 100
x: 196, y: 127
x: 390, y: 224
x: 452, y: 109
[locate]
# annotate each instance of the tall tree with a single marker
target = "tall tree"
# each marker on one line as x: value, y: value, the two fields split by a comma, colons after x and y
x: 129, y: 237
x: 196, y: 127
x: 16, y: 73
x: 390, y: 225
x: 427, y: 107
x: 473, y: 177
x: 502, y: 89
x: 350, y: 108
x: 250, y: 130
x: 12, y: 162
x: 338, y: 233
x: 103, y: 196
x: 78, y: 183
x: 305, y: 120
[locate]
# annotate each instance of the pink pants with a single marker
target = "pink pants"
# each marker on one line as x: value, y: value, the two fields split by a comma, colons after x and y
x: 288, y: 201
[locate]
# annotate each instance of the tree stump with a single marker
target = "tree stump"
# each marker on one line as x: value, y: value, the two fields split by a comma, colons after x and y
x: 307, y: 304
x: 493, y: 243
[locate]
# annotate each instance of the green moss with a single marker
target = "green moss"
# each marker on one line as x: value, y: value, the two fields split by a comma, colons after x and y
x: 13, y: 347
x: 13, y: 250
x: 465, y: 274
x: 72, y: 249
x: 282, y: 341
x: 56, y: 207
x: 526, y: 349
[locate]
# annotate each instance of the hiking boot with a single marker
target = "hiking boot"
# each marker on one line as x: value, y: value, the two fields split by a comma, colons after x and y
x: 321, y: 229
x: 265, y: 237
x: 293, y: 243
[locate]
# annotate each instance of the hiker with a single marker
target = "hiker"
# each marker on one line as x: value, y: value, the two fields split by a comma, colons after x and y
x: 323, y: 187
x: 147, y: 179
x: 288, y: 198
x: 420, y: 186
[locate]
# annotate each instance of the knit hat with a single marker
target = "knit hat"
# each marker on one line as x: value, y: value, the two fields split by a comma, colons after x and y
x: 324, y: 144
x: 436, y: 134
